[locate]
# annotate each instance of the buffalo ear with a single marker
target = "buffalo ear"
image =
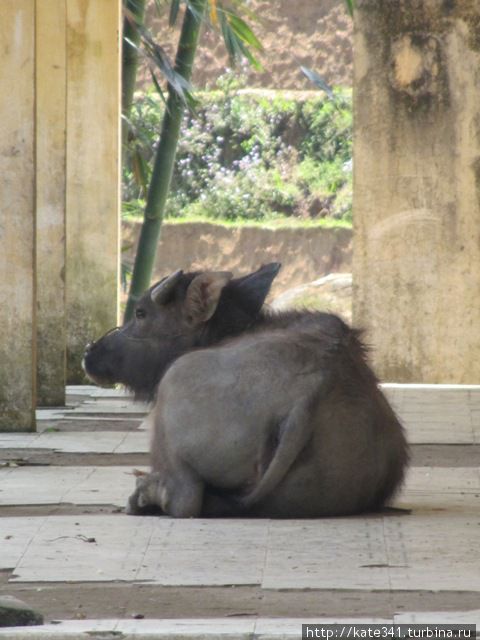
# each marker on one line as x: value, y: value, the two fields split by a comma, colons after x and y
x: 161, y: 292
x: 255, y: 287
x: 203, y: 295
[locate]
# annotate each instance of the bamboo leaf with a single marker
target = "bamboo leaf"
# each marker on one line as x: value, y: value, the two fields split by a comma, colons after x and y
x: 158, y: 6
x: 140, y: 171
x: 134, y: 45
x: 229, y: 44
x: 174, y: 8
x: 350, y: 4
x: 192, y: 7
x: 130, y: 128
x: 246, y: 53
x: 214, y: 12
x: 318, y: 81
x: 157, y: 55
x: 157, y: 86
x: 130, y: 16
x: 243, y: 31
x: 237, y: 35
x: 242, y: 6
x: 136, y: 7
x: 126, y: 272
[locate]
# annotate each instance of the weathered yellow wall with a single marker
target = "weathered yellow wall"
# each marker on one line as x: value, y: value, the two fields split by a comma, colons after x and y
x: 50, y: 195
x: 59, y: 187
x: 17, y: 321
x: 417, y: 187
x: 93, y: 104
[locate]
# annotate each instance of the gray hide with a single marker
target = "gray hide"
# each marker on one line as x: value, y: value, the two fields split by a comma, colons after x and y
x: 285, y: 420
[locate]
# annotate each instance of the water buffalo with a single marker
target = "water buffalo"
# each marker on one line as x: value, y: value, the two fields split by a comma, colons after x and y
x: 255, y: 413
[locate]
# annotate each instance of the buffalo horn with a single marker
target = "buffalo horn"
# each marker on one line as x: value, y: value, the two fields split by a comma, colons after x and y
x: 161, y: 292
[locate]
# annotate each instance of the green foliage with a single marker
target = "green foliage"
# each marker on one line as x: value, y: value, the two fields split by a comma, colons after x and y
x: 222, y: 16
x: 328, y: 127
x: 248, y: 156
x: 350, y: 4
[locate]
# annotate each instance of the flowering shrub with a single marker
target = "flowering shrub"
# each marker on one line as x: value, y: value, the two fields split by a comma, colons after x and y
x: 248, y: 155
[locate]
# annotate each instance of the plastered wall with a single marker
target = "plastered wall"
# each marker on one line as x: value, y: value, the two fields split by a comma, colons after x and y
x: 416, y: 263
x: 59, y: 194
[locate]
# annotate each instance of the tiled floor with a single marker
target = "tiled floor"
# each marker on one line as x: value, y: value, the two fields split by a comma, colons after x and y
x: 433, y: 551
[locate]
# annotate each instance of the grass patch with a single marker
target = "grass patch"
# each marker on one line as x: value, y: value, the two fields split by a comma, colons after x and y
x: 281, y: 222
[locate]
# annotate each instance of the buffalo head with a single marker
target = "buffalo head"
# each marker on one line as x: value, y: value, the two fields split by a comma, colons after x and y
x: 181, y: 312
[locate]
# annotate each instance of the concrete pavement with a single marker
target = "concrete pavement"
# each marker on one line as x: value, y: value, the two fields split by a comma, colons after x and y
x: 67, y: 548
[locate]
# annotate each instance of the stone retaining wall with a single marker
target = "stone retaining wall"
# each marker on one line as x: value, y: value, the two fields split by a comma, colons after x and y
x: 305, y: 253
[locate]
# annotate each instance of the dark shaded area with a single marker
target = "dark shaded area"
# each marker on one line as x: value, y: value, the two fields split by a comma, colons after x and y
x: 15, y: 613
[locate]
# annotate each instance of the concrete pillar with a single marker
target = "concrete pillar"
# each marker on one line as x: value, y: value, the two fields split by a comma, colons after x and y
x: 93, y: 168
x: 17, y: 180
x: 417, y: 187
x: 50, y: 199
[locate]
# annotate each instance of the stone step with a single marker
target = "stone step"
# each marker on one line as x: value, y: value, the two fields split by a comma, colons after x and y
x: 390, y: 551
x: 228, y: 629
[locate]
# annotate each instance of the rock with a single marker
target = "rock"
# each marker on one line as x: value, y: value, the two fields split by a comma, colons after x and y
x: 331, y: 293
x: 15, y: 613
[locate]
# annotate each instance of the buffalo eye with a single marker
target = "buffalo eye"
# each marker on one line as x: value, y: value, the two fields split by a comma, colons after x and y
x: 140, y: 313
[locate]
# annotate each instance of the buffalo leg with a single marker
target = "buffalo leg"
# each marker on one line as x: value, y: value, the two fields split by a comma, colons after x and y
x: 178, y: 493
x: 146, y: 498
x: 183, y: 493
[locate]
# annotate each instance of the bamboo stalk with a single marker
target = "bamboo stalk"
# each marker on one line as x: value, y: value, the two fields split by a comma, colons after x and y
x: 164, y: 160
x: 130, y: 60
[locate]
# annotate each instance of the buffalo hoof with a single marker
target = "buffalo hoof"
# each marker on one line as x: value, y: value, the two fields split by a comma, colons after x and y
x: 147, y: 497
x: 133, y: 507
